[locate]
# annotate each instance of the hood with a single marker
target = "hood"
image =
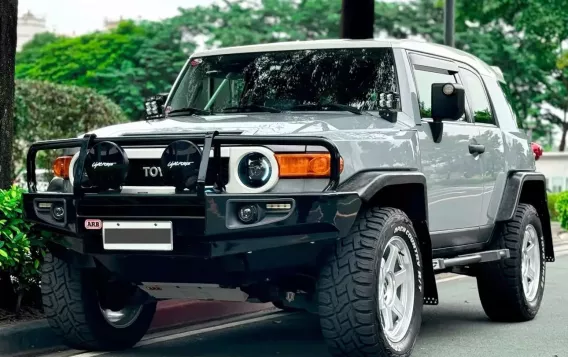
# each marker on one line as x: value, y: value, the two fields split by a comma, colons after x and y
x: 254, y: 124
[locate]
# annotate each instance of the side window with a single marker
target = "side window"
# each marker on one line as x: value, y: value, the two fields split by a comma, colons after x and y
x: 477, y: 98
x: 500, y: 98
x: 424, y: 81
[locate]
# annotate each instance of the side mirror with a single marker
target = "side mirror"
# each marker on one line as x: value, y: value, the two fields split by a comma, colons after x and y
x: 154, y: 106
x: 448, y: 101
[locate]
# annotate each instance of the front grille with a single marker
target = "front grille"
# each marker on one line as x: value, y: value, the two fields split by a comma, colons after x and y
x: 146, y: 172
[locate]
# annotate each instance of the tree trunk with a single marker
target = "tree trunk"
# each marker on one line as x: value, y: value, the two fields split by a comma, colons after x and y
x: 8, y: 39
x: 357, y: 19
x: 562, y: 145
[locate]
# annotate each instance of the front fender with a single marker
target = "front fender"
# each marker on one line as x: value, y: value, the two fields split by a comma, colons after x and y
x: 405, y: 190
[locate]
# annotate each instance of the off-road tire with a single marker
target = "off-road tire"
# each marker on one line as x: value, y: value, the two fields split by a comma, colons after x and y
x: 71, y: 304
x: 348, y: 287
x: 500, y: 283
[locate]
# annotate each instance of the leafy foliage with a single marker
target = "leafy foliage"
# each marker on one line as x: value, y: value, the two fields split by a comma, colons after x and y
x: 561, y: 206
x: 32, y: 50
x: 127, y: 64
x: 22, y: 246
x: 552, y: 199
x: 45, y: 111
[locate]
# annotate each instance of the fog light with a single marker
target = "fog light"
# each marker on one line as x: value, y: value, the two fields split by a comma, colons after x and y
x: 248, y: 214
x: 58, y: 212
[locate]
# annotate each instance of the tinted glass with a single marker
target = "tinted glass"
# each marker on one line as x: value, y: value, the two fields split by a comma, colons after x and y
x: 424, y: 81
x: 288, y: 80
x: 477, y: 98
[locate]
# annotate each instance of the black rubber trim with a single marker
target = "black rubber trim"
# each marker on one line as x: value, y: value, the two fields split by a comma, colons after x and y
x: 367, y: 184
x: 512, y: 193
x: 511, y: 199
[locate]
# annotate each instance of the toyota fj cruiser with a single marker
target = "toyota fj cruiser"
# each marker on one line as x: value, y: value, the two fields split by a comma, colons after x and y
x: 335, y: 176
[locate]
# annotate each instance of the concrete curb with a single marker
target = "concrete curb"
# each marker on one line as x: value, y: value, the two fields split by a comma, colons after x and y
x: 29, y: 338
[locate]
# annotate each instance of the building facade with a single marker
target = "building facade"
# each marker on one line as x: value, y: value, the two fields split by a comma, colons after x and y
x: 28, y: 26
x: 554, y: 165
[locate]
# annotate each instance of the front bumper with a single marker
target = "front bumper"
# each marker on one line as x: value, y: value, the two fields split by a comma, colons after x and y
x: 201, y: 226
x: 204, y: 223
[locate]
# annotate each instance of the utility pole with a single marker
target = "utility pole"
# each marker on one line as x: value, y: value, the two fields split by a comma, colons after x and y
x: 357, y: 19
x: 449, y: 22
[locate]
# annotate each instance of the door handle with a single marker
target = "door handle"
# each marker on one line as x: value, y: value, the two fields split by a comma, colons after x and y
x: 476, y: 149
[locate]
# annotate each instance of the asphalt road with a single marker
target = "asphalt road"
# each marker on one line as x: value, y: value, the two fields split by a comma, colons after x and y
x: 457, y: 327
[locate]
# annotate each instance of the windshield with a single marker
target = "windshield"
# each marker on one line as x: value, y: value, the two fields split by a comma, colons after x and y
x: 314, y: 80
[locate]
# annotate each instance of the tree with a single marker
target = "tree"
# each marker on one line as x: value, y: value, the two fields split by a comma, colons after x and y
x: 45, y: 111
x: 8, y: 39
x: 557, y: 96
x: 488, y: 29
x: 539, y: 77
x: 32, y: 50
x: 126, y: 64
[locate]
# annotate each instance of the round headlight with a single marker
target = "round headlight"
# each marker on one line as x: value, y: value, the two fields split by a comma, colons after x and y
x: 254, y: 170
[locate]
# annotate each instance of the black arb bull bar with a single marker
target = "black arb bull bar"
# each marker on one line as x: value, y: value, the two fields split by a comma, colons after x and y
x: 203, y: 223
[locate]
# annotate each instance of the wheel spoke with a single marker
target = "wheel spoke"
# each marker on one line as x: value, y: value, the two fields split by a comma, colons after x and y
x: 400, y: 277
x: 387, y: 318
x: 530, y: 272
x: 398, y: 308
x: 391, y: 260
x: 530, y: 248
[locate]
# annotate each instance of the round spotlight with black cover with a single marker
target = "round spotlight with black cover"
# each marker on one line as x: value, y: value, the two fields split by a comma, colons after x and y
x: 106, y: 165
x: 180, y: 165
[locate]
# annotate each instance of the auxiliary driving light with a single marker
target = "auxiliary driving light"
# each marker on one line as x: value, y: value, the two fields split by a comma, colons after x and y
x: 248, y: 214
x: 106, y: 165
x: 180, y: 164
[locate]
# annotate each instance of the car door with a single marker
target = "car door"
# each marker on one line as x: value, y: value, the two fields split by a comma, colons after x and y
x: 450, y: 162
x: 493, y: 160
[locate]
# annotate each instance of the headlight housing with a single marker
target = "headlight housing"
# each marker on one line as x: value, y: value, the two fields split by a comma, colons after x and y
x: 254, y: 170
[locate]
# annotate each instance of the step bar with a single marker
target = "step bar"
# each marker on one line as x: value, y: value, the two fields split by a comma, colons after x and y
x: 468, y: 259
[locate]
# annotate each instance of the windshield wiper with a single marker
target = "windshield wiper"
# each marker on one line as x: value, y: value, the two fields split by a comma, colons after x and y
x: 337, y: 106
x: 190, y: 110
x: 253, y: 107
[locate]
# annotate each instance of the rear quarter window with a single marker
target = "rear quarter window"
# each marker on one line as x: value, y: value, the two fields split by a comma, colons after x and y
x: 503, y: 109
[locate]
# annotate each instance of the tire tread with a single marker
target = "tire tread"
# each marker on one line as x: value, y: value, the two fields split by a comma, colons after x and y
x: 499, y: 283
x: 345, y: 290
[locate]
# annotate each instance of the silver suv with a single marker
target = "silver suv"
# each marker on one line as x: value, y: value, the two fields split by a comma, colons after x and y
x: 337, y: 177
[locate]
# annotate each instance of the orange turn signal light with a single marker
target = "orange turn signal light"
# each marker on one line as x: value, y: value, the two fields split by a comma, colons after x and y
x: 61, y: 166
x: 305, y: 165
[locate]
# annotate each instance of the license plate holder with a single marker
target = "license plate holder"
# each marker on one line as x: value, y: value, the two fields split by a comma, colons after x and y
x: 131, y: 235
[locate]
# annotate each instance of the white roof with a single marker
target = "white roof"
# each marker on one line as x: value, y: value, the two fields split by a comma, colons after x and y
x: 418, y: 46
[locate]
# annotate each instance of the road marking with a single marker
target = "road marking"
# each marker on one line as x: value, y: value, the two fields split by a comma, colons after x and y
x: 176, y: 336
x: 451, y: 278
